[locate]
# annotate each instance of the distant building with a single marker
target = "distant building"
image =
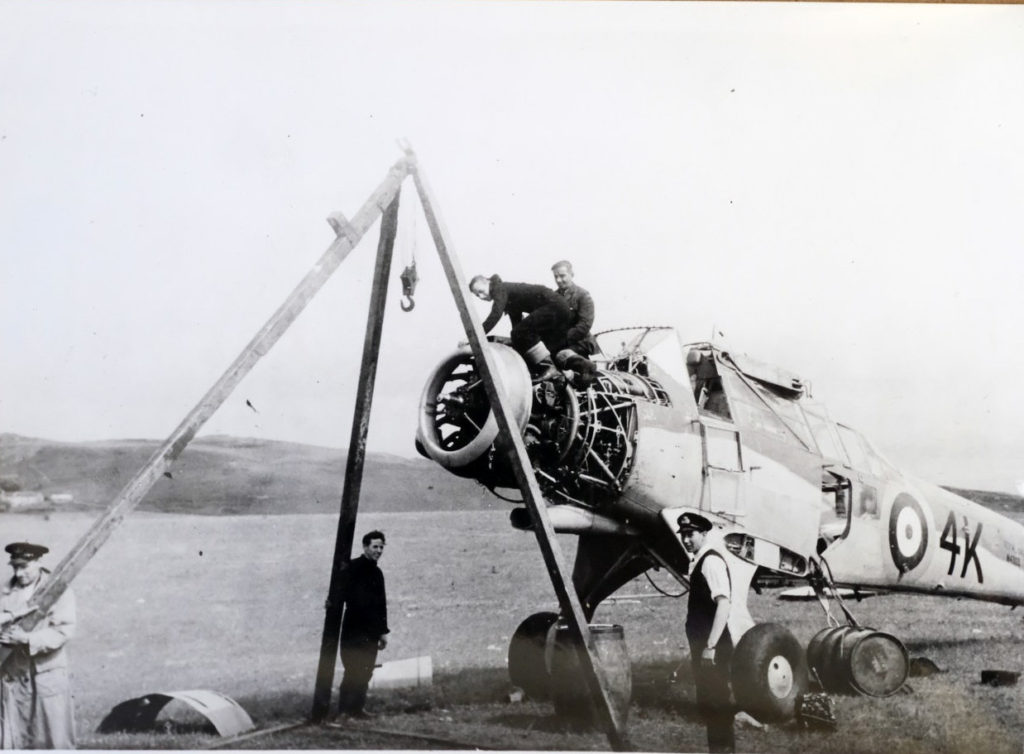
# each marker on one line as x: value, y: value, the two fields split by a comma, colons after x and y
x: 61, y: 498
x: 23, y: 500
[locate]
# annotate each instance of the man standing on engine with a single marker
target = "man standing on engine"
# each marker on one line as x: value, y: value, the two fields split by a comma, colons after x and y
x: 364, y: 626
x: 707, y: 631
x: 35, y: 696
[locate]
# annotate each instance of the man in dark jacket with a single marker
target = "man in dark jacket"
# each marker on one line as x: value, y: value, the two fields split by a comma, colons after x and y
x: 539, y: 316
x: 581, y: 309
x: 579, y: 343
x: 364, y: 626
x: 707, y: 630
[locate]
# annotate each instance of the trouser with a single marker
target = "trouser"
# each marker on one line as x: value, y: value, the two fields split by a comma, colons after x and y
x: 714, y: 704
x: 547, y: 324
x: 581, y: 365
x: 358, y: 659
x: 585, y: 346
x: 36, y: 711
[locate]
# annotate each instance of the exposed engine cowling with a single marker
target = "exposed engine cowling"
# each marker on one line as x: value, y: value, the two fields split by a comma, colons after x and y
x: 456, y: 425
x: 582, y: 444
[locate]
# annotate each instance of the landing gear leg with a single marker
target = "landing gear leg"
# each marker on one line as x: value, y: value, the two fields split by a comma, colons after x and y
x: 852, y: 658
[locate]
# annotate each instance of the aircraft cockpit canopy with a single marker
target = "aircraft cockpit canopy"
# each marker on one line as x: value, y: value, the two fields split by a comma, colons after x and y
x: 735, y: 388
x: 632, y: 349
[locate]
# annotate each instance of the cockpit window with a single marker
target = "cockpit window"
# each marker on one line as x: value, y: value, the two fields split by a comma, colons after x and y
x: 878, y: 462
x: 821, y: 428
x: 788, y: 413
x: 862, y: 455
x: 617, y: 344
x: 630, y: 349
x: 763, y: 412
x: 854, y: 448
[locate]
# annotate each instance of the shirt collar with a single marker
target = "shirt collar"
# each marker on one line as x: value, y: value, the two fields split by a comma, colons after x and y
x: 712, y: 543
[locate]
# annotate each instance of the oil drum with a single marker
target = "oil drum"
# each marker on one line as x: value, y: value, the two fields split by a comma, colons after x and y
x: 851, y: 659
x: 569, y: 691
x: 816, y: 653
x: 876, y: 663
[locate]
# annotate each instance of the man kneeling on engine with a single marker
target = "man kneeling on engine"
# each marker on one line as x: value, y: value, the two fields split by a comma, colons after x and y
x: 579, y: 343
x: 539, y: 316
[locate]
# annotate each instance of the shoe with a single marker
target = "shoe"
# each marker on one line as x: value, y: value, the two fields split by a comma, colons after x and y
x: 361, y: 715
x: 583, y: 380
x: 550, y: 373
x: 580, y: 371
x: 538, y: 359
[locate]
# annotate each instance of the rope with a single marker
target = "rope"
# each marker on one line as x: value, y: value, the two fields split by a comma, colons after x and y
x: 661, y: 591
x: 409, y: 276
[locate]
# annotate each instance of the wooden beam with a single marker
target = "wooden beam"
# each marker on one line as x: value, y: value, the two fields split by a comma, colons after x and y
x: 164, y: 456
x: 516, y: 449
x: 354, y: 463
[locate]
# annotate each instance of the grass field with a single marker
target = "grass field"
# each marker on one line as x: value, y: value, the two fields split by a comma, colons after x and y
x: 234, y: 604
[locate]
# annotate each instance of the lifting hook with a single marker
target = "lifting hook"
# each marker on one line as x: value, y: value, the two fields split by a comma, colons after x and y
x: 409, y: 279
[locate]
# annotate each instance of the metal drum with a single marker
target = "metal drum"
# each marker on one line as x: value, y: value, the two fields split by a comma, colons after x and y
x: 569, y: 691
x: 877, y: 663
x: 850, y: 659
x: 816, y: 652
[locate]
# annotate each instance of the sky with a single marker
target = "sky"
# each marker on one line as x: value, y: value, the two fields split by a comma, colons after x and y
x: 836, y: 188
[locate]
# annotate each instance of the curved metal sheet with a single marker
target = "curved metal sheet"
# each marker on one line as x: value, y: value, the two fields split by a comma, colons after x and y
x: 139, y: 714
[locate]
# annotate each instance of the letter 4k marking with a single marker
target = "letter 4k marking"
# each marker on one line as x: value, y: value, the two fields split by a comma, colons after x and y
x: 948, y: 541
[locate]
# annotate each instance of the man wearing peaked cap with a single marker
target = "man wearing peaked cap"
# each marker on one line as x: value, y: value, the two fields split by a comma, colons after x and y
x: 25, y: 551
x: 707, y: 631
x: 694, y: 522
x: 35, y: 696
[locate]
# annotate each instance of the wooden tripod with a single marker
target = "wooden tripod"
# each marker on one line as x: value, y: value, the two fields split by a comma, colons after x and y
x: 383, y: 201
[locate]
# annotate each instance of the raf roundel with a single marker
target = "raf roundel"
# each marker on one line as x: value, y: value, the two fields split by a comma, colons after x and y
x: 908, y: 533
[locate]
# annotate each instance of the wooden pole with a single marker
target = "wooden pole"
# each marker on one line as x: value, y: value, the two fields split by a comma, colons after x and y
x: 268, y: 335
x: 354, y: 465
x: 516, y: 449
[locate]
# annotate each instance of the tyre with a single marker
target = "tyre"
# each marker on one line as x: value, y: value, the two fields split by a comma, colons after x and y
x: 769, y: 672
x: 526, y: 662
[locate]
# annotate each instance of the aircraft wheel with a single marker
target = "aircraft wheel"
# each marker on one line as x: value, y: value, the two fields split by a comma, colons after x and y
x: 769, y: 672
x: 526, y: 666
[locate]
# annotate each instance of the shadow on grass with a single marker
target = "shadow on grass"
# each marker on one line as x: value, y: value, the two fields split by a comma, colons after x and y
x: 665, y: 687
x: 658, y: 688
x: 922, y: 645
x: 472, y: 686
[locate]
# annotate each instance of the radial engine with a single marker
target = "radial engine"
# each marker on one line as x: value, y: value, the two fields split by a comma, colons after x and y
x: 582, y: 443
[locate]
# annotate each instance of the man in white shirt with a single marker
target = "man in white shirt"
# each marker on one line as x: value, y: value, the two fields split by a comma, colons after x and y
x: 707, y: 630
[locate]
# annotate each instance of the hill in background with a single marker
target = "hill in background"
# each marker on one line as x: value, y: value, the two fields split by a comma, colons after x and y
x: 228, y: 475
x: 1002, y: 502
